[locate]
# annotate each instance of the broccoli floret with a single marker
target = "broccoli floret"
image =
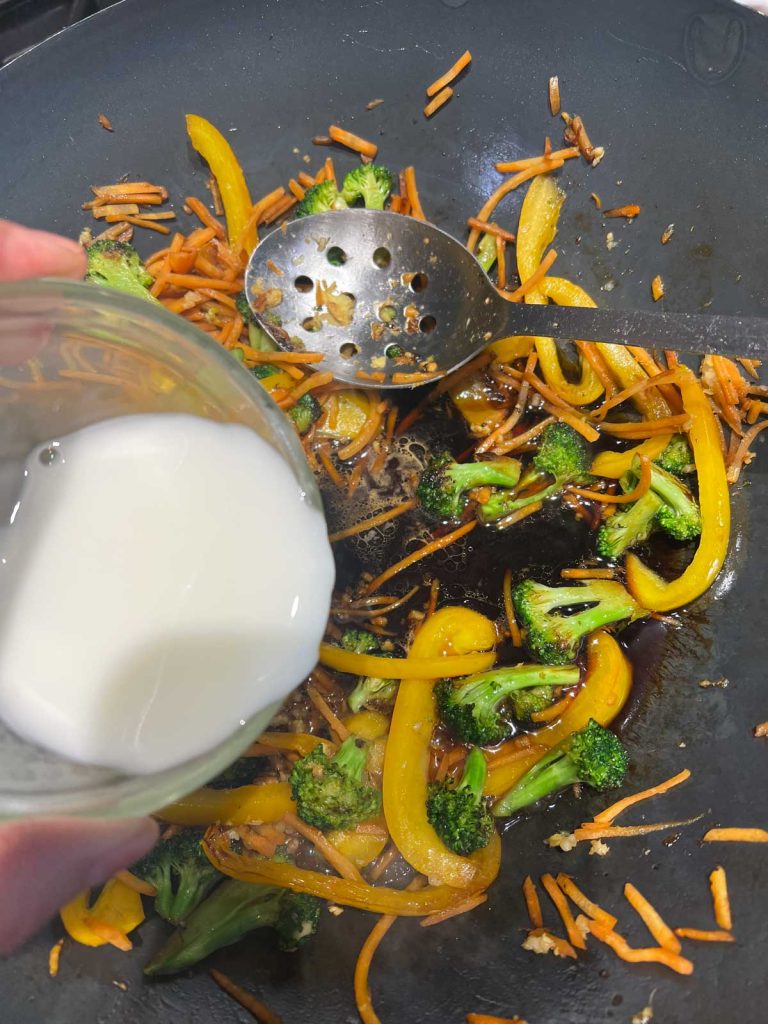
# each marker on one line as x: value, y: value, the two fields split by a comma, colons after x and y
x: 486, y: 251
x: 330, y: 792
x: 592, y: 755
x: 679, y: 515
x: 321, y: 198
x: 526, y: 703
x: 118, y: 265
x: 394, y: 352
x: 473, y: 708
x: 359, y: 640
x: 232, y: 911
x: 371, y: 690
x: 444, y: 483
x: 554, y: 637
x: 263, y: 370
x: 677, y: 457
x: 563, y: 455
x: 372, y: 183
x: 629, y: 527
x: 459, y: 814
x: 305, y: 412
x: 182, y: 874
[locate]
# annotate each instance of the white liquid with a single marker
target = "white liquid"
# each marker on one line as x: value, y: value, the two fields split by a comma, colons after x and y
x: 162, y: 580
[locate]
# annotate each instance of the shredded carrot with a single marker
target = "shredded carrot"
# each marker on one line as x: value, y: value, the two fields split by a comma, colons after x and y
x: 54, y: 956
x: 105, y: 123
x: 536, y: 277
x: 652, y: 919
x: 484, y: 1018
x: 634, y: 389
x: 519, y: 515
x: 588, y: 574
x: 367, y: 433
x: 561, y: 946
x: 255, y: 1007
x: 374, y: 521
x: 334, y: 722
x: 553, y: 711
x: 452, y: 73
x: 642, y: 487
x: 521, y: 440
x: 508, y: 754
x: 341, y: 864
x: 255, y: 356
x: 512, y: 166
x: 378, y: 376
x: 110, y: 934
x: 296, y: 189
x: 597, y: 200
x: 501, y: 262
x: 608, y: 815
x: 586, y: 905
x: 532, y: 903
x: 439, y: 101
x: 460, y: 908
x: 591, y: 353
x: 330, y: 170
x: 751, y: 366
x: 591, y: 830
x: 657, y: 288
x: 630, y: 210
x: 204, y: 215
x: 412, y: 193
x: 257, y: 843
x: 352, y: 141
x: 509, y: 610
x: 310, y: 383
x: 415, y: 556
x: 306, y: 179
x: 736, y: 835
x: 624, y: 951
x: 701, y: 935
x: 414, y: 378
x: 720, y: 901
x: 490, y: 229
x: 742, y: 454
x: 540, y: 166
x: 761, y: 729
x: 448, y: 760
x: 557, y: 896
x: 514, y: 417
x: 363, y: 966
x: 648, y: 428
x: 136, y: 883
x: 554, y: 95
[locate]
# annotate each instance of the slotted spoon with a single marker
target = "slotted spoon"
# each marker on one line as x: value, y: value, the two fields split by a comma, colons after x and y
x: 395, y: 302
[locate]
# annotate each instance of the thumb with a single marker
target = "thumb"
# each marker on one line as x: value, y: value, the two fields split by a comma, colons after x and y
x: 28, y: 253
x: 43, y: 864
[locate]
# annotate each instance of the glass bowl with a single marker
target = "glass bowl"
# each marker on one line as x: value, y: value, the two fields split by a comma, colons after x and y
x: 72, y: 354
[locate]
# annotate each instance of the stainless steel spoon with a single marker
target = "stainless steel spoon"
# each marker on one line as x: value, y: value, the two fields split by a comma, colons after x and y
x: 382, y: 295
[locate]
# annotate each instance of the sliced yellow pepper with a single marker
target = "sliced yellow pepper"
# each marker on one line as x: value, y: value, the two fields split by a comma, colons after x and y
x: 622, y: 364
x: 714, y: 500
x: 605, y: 691
x: 224, y: 165
x: 265, y: 801
x: 507, y: 350
x: 359, y: 847
x: 118, y: 906
x: 300, y: 742
x: 615, y: 464
x: 275, y: 381
x: 352, y: 410
x: 434, y: 667
x: 406, y: 761
x: 367, y: 725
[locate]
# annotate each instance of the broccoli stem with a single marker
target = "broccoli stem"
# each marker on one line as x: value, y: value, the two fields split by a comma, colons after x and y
x: 475, y: 774
x: 553, y: 772
x: 484, y: 474
x: 351, y: 759
x: 486, y: 251
x: 490, y: 688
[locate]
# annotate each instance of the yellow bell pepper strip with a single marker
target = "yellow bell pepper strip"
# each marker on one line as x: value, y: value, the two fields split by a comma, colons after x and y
x: 299, y: 742
x: 622, y: 364
x: 615, y: 464
x: 218, y: 154
x: 406, y: 762
x: 359, y: 847
x: 367, y: 725
x: 376, y: 899
x: 434, y: 667
x: 479, y: 404
x: 605, y: 691
x: 265, y: 801
x: 117, y: 908
x: 536, y: 230
x: 353, y: 409
x: 507, y: 350
x: 714, y: 501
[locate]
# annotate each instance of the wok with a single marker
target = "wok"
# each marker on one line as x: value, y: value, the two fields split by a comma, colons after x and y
x: 676, y: 94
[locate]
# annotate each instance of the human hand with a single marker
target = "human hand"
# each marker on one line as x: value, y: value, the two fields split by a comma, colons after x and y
x: 44, y: 863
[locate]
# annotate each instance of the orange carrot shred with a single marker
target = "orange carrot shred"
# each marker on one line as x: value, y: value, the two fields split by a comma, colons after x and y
x: 374, y: 521
x: 352, y: 141
x: 536, y: 277
x: 624, y: 951
x: 363, y: 997
x: 652, y: 919
x: 586, y: 905
x: 322, y: 844
x: 557, y: 896
x: 608, y: 815
x: 254, y: 1006
x: 532, y: 903
x: 452, y: 73
x: 701, y: 935
x: 642, y: 487
x: 592, y: 830
x: 54, y: 956
x: 554, y: 95
x: 720, y: 901
x: 484, y: 1018
x: 413, y: 193
x: 509, y: 610
x: 439, y: 101
x: 459, y: 908
x: 415, y: 556
x: 512, y: 166
x: 736, y: 835
x: 630, y: 210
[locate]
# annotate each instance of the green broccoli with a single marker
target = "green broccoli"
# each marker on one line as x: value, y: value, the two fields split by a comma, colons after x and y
x: 486, y: 251
x: 592, y: 755
x: 459, y: 814
x: 552, y: 635
x: 372, y: 183
x: 360, y: 641
x: 679, y: 515
x: 263, y: 370
x: 117, y: 265
x: 563, y: 458
x: 677, y: 457
x: 371, y: 690
x: 321, y: 198
x: 473, y: 708
x: 526, y: 703
x: 330, y: 792
x: 444, y: 483
x: 258, y: 338
x: 182, y: 874
x: 305, y: 412
x: 232, y: 911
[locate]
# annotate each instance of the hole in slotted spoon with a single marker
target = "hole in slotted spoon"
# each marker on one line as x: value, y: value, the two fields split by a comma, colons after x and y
x: 336, y: 256
x: 382, y: 257
x: 419, y: 282
x: 387, y: 312
x: 427, y: 324
x: 312, y: 323
x: 348, y: 350
x: 303, y: 283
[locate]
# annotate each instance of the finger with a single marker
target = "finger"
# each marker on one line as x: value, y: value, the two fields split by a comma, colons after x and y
x: 43, y: 864
x: 25, y: 253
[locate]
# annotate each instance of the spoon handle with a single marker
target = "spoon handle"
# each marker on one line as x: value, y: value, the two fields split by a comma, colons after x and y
x: 701, y: 333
